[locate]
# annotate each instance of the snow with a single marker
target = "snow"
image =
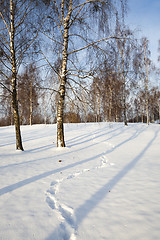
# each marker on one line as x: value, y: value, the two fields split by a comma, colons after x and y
x: 103, y: 185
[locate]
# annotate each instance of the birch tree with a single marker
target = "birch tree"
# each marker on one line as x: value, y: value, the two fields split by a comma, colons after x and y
x: 146, y: 77
x: 15, y: 40
x: 126, y: 47
x: 78, y: 23
x: 29, y: 94
x: 145, y: 68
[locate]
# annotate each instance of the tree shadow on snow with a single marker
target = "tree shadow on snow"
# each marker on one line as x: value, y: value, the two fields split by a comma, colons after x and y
x: 87, y: 207
x: 93, y: 136
x: 27, y: 181
x: 82, y: 212
x: 50, y: 146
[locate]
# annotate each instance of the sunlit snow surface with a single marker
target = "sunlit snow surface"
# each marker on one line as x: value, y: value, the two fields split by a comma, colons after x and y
x: 104, y: 185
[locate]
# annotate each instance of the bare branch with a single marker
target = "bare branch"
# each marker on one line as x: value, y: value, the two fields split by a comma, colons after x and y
x: 50, y: 64
x: 58, y: 25
x: 6, y: 88
x: 52, y: 38
x: 5, y: 23
x: 76, y: 14
x: 86, y: 90
x: 91, y: 44
x: 5, y: 65
x: 21, y: 21
x: 5, y: 54
x: 5, y: 41
x: 47, y: 88
x: 79, y: 76
x: 58, y: 12
x: 1, y: 72
x: 77, y: 95
x: 30, y: 42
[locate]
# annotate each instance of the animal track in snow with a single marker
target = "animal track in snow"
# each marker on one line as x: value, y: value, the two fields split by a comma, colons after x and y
x: 65, y: 213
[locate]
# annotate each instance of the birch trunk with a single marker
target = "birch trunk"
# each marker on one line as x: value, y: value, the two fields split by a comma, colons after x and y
x: 146, y: 84
x: 142, y: 113
x: 110, y: 104
x: 31, y: 105
x: 60, y: 110
x: 14, y: 81
x: 60, y: 128
x: 99, y: 106
x: 116, y: 119
x: 124, y: 105
x: 123, y: 76
x: 159, y: 111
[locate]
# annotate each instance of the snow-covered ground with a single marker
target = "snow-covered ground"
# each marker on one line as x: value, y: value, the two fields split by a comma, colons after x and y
x: 104, y: 185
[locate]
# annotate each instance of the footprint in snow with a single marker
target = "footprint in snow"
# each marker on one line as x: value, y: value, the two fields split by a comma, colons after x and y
x: 103, y: 162
x: 52, y: 202
x: 68, y: 214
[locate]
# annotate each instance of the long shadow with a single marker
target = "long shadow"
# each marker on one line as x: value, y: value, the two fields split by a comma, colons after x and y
x: 27, y: 181
x: 79, y: 142
x: 80, y: 137
x: 136, y: 134
x: 34, y: 137
x: 76, y: 150
x: 87, y: 207
x: 91, y: 203
x: 46, y: 174
x: 42, y: 148
x: 7, y: 144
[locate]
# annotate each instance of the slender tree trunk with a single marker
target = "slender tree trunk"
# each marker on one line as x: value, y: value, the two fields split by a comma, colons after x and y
x: 11, y: 114
x: 60, y: 128
x: 31, y: 105
x: 146, y: 85
x: 116, y: 115
x: 96, y: 107
x: 124, y: 103
x: 99, y: 106
x: 14, y: 82
x: 84, y: 106
x: 137, y: 116
x: 110, y: 104
x: 159, y: 110
x: 142, y: 113
x: 152, y: 120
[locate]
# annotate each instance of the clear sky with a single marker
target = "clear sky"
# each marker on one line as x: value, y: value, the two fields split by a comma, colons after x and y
x: 144, y: 15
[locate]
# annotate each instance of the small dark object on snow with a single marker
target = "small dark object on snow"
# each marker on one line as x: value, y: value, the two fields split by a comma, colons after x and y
x: 60, y: 161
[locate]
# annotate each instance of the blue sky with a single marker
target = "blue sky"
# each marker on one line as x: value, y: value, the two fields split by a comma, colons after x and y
x: 144, y: 15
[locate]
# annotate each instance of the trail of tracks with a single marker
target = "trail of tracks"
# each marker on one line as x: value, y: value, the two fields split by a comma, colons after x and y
x: 65, y: 213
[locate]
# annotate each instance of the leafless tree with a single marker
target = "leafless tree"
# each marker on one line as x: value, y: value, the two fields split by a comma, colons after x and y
x: 78, y: 24
x: 29, y: 93
x: 17, y: 35
x: 145, y: 69
x: 126, y: 46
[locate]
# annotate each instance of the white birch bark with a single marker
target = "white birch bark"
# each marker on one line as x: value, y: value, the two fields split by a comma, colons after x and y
x: 14, y: 80
x: 31, y: 104
x: 146, y: 83
x: 60, y: 127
